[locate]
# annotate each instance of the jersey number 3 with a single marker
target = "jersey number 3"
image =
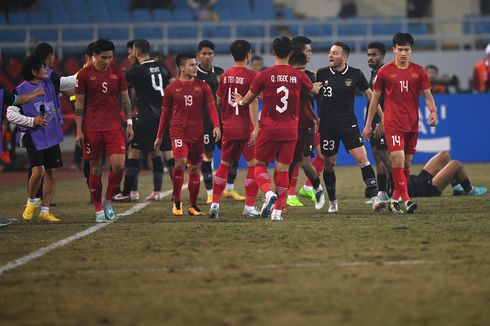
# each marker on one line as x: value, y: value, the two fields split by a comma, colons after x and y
x: 284, y: 99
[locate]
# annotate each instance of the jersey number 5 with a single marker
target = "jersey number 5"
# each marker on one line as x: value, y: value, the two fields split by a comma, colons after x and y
x: 284, y: 99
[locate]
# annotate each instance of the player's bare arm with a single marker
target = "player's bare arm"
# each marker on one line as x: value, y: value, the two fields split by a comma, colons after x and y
x: 254, y: 116
x: 379, y: 130
x: 244, y: 100
x: 373, y: 104
x: 431, y: 104
x: 126, y: 106
x: 316, y: 88
x: 79, y: 117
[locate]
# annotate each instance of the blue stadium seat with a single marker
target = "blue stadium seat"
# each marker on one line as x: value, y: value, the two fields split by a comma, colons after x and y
x: 38, y: 18
x: 318, y: 29
x: 114, y: 33
x: 183, y: 15
x: 162, y: 16
x: 386, y: 28
x: 141, y: 16
x: 45, y: 35
x: 250, y: 31
x: 482, y: 26
x: 17, y: 18
x: 99, y: 15
x: 77, y: 34
x: 3, y: 21
x: 181, y: 4
x: 420, y: 30
x: 182, y: 33
x: 215, y: 32
x: 172, y: 49
x: 120, y: 15
x: 148, y: 33
x: 13, y: 36
x: 352, y: 28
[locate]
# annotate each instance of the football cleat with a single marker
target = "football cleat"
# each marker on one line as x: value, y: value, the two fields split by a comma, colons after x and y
x: 458, y: 190
x: 154, y: 196
x: 270, y: 199
x: 251, y: 213
x: 213, y: 211
x: 276, y: 215
x: 177, y: 209
x: 209, y: 200
x: 476, y: 191
x: 108, y: 210
x: 120, y: 198
x: 28, y: 212
x: 378, y: 204
x: 410, y: 207
x: 134, y: 195
x: 333, y: 206
x: 319, y: 198
x: 4, y: 222
x: 394, y: 207
x: 310, y: 194
x: 383, y: 196
x: 293, y: 201
x: 100, y: 217
x: 233, y: 194
x: 195, y: 211
x: 47, y: 217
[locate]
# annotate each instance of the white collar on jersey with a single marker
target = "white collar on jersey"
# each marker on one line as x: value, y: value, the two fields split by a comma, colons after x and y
x: 203, y: 71
x: 148, y: 61
x: 343, y: 72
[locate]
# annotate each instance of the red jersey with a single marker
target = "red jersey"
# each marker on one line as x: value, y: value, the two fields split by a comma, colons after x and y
x: 185, y: 102
x: 236, y: 120
x: 306, y: 114
x: 281, y: 86
x: 101, y: 89
x: 401, y: 89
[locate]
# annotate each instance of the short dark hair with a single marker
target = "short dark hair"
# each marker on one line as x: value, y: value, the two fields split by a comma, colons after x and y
x: 300, y: 42
x: 43, y: 50
x: 281, y: 46
x: 89, y: 50
x: 143, y: 46
x: 402, y: 39
x: 345, y: 47
x: 432, y: 67
x: 379, y: 46
x: 205, y: 44
x: 102, y: 45
x: 181, y: 58
x: 297, y: 58
x: 31, y: 63
x: 130, y: 44
x: 239, y: 49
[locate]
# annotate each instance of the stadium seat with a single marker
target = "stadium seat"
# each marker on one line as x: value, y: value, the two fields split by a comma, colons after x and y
x: 316, y: 28
x: 114, y: 33
x: 420, y: 30
x: 120, y: 15
x: 17, y: 18
x: 141, y: 16
x: 183, y: 15
x: 78, y: 34
x: 386, y: 28
x: 182, y: 33
x: 38, y: 18
x: 352, y: 27
x: 215, y: 32
x: 148, y: 33
x: 13, y: 36
x: 162, y: 16
x: 44, y: 35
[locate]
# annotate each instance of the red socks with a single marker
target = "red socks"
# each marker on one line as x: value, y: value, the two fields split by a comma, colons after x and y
x: 281, y: 188
x: 95, y: 188
x: 319, y: 164
x: 400, y: 182
x: 178, y: 181
x: 262, y: 178
x: 219, y: 182
x: 114, y: 181
x: 193, y: 184
x: 293, y: 181
x: 251, y: 188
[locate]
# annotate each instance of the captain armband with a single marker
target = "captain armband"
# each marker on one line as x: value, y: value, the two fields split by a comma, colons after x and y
x: 78, y: 112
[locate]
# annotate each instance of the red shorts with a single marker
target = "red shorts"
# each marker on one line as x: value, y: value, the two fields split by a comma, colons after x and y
x: 231, y: 149
x: 401, y: 141
x: 96, y: 141
x: 267, y: 150
x: 316, y: 140
x: 190, y: 151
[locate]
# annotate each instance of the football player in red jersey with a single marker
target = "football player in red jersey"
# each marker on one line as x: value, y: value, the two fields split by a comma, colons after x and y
x: 240, y: 128
x: 281, y: 86
x: 183, y: 105
x: 401, y: 82
x: 101, y: 91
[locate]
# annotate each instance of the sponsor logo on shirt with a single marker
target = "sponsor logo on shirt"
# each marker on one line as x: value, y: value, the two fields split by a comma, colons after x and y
x: 113, y: 76
x: 348, y: 82
x: 414, y: 75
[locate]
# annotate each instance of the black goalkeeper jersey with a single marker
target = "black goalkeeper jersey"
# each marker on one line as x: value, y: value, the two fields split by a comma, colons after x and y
x: 212, y: 79
x: 149, y: 80
x: 336, y: 97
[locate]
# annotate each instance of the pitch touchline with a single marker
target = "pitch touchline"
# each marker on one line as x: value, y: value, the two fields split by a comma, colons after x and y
x: 41, y: 252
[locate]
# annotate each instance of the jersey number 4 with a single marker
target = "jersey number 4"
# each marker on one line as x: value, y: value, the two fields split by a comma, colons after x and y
x: 284, y: 99
x: 159, y: 86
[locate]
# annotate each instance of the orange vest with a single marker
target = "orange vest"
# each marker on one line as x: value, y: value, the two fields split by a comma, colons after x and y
x: 480, y: 76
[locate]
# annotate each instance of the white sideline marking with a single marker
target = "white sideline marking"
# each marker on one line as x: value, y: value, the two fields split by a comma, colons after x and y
x: 41, y: 252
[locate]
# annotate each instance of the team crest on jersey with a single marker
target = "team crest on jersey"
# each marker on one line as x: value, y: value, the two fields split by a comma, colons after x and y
x: 113, y: 76
x: 348, y: 82
x: 197, y: 88
x: 393, y: 75
x: 178, y: 89
x: 93, y: 78
x: 414, y: 75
